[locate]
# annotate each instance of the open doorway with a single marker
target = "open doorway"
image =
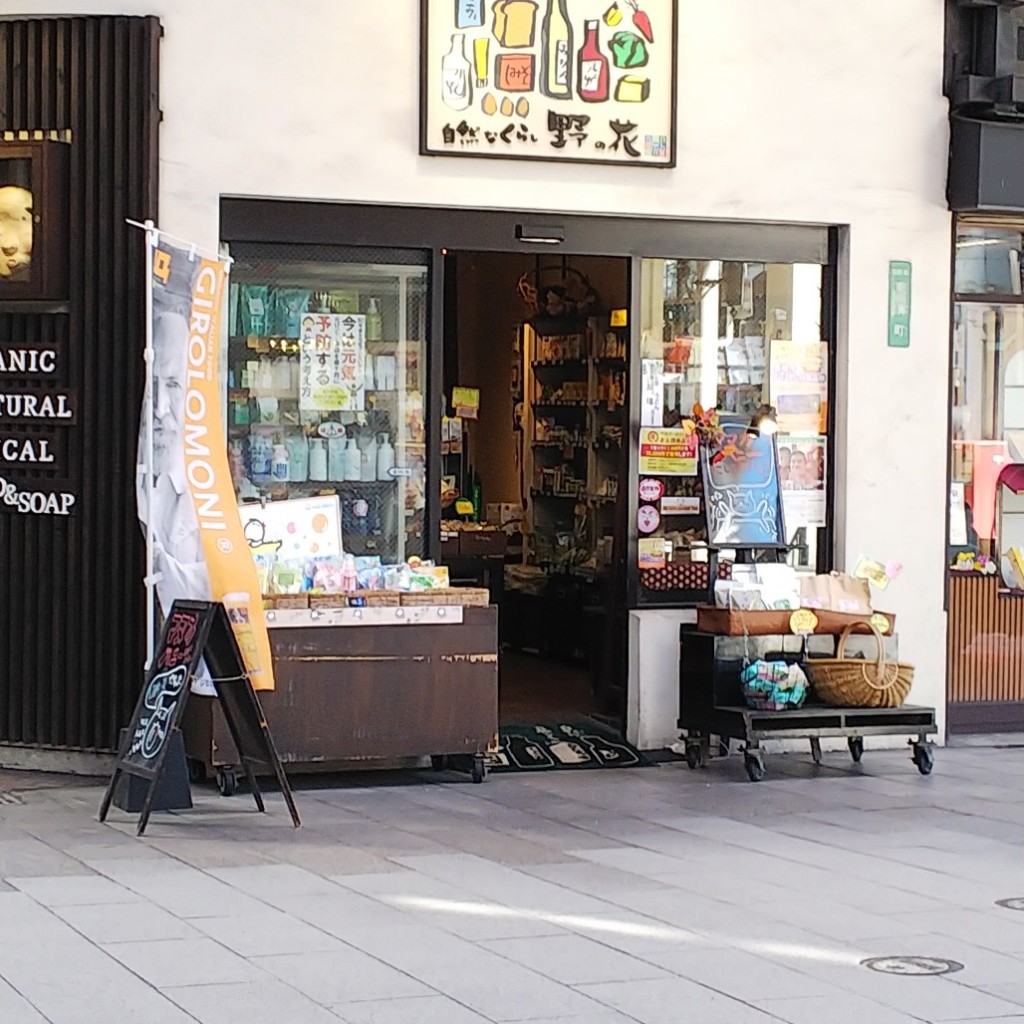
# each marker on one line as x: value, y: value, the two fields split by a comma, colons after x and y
x: 539, y: 452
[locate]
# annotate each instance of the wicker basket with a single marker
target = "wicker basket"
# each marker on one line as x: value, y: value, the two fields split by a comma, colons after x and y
x: 856, y: 683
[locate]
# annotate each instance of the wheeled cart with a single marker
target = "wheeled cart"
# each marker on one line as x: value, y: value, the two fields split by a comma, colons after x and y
x: 711, y: 702
x: 368, y: 684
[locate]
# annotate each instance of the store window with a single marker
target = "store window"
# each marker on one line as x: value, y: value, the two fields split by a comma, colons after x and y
x: 327, y: 367
x: 745, y: 339
x: 987, y: 429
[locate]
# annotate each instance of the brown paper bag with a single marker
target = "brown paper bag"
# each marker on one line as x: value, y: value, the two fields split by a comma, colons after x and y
x: 836, y: 592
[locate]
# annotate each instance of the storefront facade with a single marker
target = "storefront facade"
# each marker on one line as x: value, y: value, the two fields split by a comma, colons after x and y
x: 782, y: 158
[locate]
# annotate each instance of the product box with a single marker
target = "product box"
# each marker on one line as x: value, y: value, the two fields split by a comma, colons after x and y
x: 504, y: 513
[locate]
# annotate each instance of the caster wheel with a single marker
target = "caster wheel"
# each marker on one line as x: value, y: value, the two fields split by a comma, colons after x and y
x: 924, y: 758
x: 856, y: 745
x: 694, y: 755
x: 754, y: 763
x: 196, y: 771
x: 227, y: 781
x: 479, y: 770
x: 438, y: 762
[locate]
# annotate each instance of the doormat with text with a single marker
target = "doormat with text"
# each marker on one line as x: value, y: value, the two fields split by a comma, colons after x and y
x: 580, y: 744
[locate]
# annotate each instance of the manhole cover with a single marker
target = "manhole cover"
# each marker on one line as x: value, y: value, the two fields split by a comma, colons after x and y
x: 918, y: 965
x: 1017, y: 903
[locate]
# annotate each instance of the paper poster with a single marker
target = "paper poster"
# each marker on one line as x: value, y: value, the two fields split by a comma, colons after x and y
x: 332, y: 354
x: 651, y: 553
x: 652, y: 393
x: 299, y: 528
x: 957, y: 515
x: 668, y: 452
x: 798, y: 385
x: 647, y: 518
x: 567, y: 80
x: 651, y: 490
x: 466, y: 402
x: 683, y: 505
x: 802, y: 477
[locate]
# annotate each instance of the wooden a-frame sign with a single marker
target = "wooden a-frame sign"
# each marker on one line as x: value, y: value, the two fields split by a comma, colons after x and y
x: 194, y: 631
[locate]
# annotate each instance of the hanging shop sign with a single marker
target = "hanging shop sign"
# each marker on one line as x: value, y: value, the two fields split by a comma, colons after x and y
x: 586, y: 81
x: 332, y: 357
x: 899, y: 303
x: 33, y: 408
x: 668, y: 452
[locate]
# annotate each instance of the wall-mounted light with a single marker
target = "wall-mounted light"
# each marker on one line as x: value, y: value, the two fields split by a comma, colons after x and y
x: 540, y: 234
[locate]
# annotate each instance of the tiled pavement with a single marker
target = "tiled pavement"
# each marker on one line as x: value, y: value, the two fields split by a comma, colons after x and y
x: 651, y: 895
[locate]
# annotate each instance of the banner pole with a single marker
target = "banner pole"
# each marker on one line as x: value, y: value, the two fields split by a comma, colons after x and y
x: 152, y: 238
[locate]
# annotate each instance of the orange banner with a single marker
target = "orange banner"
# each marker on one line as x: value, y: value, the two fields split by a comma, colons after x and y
x: 228, y: 561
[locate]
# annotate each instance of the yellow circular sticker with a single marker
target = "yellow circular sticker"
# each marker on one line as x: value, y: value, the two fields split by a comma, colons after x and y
x: 803, y: 620
x: 880, y: 622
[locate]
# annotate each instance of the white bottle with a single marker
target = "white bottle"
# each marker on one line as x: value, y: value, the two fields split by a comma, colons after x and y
x: 260, y: 455
x: 298, y: 458
x: 353, y: 465
x: 279, y: 467
x: 336, y: 459
x: 317, y: 459
x: 368, y: 459
x: 282, y: 374
x: 265, y: 381
x: 385, y: 459
x: 368, y: 384
x: 456, y: 86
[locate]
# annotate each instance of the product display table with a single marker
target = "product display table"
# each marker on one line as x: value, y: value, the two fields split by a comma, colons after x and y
x: 711, y: 701
x: 368, y: 683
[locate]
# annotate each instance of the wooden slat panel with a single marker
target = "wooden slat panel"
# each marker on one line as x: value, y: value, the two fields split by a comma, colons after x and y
x: 985, y: 642
x: 71, y: 601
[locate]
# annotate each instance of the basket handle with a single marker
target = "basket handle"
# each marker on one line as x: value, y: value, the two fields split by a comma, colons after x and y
x: 880, y: 663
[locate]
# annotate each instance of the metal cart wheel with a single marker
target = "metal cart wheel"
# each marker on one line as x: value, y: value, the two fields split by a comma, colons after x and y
x: 924, y: 757
x: 227, y: 781
x: 856, y: 745
x: 816, y: 750
x: 196, y: 771
x: 479, y: 768
x: 695, y: 753
x: 753, y: 761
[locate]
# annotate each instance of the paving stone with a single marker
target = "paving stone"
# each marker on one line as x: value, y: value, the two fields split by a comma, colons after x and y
x: 416, y: 1010
x: 574, y: 960
x: 74, y: 890
x: 166, y: 963
x: 261, y: 1002
x: 125, y: 922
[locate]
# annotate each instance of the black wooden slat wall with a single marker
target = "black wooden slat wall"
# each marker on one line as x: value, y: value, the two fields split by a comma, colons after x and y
x: 72, y: 608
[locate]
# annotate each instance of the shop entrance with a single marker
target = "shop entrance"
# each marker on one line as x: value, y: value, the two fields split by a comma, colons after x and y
x: 534, y: 502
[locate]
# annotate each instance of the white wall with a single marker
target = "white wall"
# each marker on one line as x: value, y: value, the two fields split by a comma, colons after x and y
x: 827, y: 113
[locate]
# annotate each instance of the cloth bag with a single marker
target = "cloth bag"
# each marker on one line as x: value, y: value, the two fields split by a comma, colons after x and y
x: 836, y: 592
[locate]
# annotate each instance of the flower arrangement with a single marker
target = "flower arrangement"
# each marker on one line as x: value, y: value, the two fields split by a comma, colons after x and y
x: 969, y: 561
x: 721, y: 446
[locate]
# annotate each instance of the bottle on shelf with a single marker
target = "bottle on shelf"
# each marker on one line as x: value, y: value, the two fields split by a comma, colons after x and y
x: 556, y: 50
x: 476, y: 492
x: 592, y: 75
x: 368, y: 458
x: 298, y: 458
x: 279, y: 465
x: 261, y: 454
x: 353, y: 465
x: 385, y: 458
x: 336, y: 458
x: 374, y: 322
x: 317, y: 459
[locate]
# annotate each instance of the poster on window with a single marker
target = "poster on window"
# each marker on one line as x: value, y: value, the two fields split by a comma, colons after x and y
x: 332, y: 356
x: 802, y: 476
x: 798, y: 385
x: 591, y: 81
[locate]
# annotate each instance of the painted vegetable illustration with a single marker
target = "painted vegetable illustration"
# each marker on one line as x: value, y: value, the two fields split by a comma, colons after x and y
x: 613, y: 16
x: 628, y: 50
x: 641, y: 21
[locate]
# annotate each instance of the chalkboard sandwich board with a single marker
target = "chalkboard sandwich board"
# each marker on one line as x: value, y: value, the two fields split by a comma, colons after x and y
x: 193, y: 631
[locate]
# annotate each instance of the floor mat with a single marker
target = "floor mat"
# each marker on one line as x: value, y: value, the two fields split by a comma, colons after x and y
x: 583, y: 743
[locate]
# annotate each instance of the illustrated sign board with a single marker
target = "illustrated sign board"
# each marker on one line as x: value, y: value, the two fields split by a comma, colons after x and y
x: 332, y: 356
x: 295, y: 528
x: 587, y: 81
x: 194, y: 631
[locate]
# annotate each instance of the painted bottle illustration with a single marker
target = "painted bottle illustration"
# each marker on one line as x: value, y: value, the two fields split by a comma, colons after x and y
x: 456, y: 87
x: 556, y: 50
x: 592, y: 78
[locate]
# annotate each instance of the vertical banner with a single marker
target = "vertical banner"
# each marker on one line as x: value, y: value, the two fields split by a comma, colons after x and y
x: 185, y: 493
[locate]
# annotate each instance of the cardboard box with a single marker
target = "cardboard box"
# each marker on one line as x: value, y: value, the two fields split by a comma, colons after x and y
x: 503, y: 513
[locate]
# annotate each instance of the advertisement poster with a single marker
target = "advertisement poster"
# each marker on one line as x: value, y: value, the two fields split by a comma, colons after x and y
x: 802, y: 476
x: 466, y: 402
x: 798, y: 385
x: 184, y: 488
x: 332, y: 355
x: 298, y: 528
x: 567, y: 80
x: 668, y: 452
x: 651, y: 553
x: 652, y: 392
x: 684, y: 505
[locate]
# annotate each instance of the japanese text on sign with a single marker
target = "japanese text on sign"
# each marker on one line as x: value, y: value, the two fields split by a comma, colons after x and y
x: 332, y: 354
x: 668, y: 452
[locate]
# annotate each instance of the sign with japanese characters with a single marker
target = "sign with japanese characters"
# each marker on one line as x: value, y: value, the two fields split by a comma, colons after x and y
x: 899, y: 304
x: 668, y: 452
x: 591, y: 81
x: 332, y: 354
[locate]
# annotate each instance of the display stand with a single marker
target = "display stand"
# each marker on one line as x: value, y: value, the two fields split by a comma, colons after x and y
x: 194, y: 631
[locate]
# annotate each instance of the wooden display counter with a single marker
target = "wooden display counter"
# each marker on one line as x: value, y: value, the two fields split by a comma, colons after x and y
x: 985, y: 655
x: 368, y: 683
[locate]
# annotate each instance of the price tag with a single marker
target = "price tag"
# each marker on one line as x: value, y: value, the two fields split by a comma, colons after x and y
x: 803, y: 620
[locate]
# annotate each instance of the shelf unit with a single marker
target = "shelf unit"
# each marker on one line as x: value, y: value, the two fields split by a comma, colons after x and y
x: 574, y: 444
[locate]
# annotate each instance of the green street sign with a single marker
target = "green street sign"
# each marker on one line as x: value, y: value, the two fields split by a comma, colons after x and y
x: 899, y: 304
